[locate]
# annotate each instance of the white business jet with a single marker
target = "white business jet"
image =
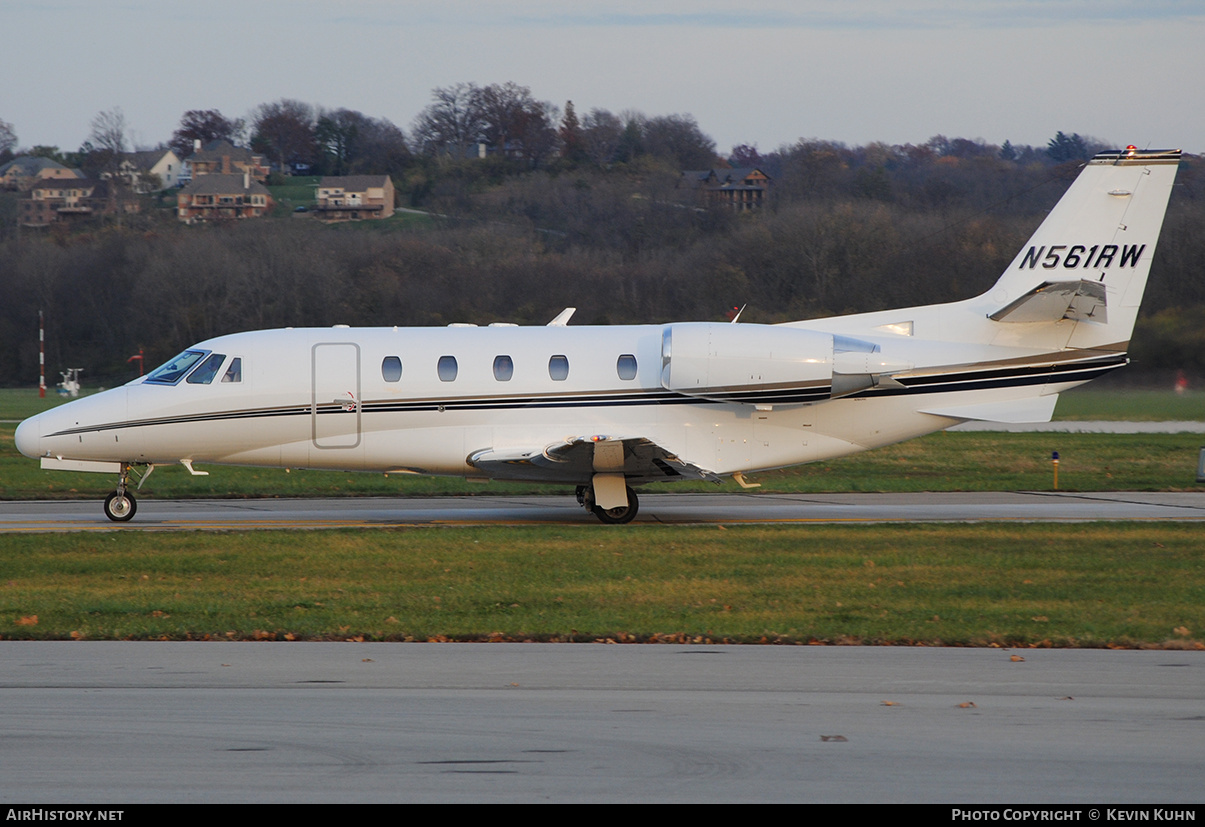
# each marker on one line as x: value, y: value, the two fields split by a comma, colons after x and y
x: 606, y: 408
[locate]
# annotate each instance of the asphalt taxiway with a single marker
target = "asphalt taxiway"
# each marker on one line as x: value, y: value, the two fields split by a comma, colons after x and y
x: 670, y: 508
x: 115, y: 722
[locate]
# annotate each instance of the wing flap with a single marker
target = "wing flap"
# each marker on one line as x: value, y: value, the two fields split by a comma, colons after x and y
x: 577, y: 459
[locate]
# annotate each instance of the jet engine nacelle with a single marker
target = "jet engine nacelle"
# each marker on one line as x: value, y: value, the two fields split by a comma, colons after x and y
x: 747, y: 363
x: 766, y: 365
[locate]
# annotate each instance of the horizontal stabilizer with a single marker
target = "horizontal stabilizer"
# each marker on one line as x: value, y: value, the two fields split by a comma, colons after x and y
x: 1081, y: 301
x: 1038, y: 409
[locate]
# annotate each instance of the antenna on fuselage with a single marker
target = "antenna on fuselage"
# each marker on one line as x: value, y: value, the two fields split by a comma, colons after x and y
x: 563, y: 317
x: 734, y: 316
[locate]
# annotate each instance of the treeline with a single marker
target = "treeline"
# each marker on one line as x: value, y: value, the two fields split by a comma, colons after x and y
x: 845, y: 229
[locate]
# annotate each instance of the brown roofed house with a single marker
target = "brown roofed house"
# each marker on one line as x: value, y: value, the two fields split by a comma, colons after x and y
x: 224, y: 158
x: 741, y: 188
x: 53, y: 200
x: 222, y: 197
x: 353, y: 197
x: 24, y: 171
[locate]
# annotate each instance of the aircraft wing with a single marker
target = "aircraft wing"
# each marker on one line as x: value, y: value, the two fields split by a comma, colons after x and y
x: 578, y: 458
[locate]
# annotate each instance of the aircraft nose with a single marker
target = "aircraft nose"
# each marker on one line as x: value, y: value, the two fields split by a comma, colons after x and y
x: 27, y: 437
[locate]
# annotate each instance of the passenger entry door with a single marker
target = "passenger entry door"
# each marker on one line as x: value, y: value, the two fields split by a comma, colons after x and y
x: 335, y: 402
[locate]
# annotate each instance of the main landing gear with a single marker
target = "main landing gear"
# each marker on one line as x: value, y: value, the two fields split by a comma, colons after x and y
x: 610, y: 516
x: 120, y: 506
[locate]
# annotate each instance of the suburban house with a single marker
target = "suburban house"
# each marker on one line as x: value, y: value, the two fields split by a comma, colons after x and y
x: 150, y: 171
x: 23, y: 172
x: 741, y: 188
x: 54, y: 200
x: 353, y: 197
x: 223, y: 158
x: 218, y: 197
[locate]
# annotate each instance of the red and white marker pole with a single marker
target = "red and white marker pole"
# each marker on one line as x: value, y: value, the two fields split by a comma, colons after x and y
x: 41, y: 357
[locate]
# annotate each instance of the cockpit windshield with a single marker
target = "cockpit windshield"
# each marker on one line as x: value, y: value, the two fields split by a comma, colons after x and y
x: 172, y: 371
x: 208, y: 369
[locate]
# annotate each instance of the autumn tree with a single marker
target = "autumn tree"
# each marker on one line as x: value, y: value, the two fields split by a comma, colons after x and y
x: 744, y: 155
x: 570, y: 134
x: 285, y: 131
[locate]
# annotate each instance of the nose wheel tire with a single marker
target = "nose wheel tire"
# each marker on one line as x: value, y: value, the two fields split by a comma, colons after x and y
x: 120, y: 507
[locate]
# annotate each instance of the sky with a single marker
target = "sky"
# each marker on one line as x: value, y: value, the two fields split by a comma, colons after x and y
x: 761, y: 72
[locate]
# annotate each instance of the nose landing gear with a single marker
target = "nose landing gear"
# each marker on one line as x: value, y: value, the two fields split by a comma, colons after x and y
x: 120, y: 506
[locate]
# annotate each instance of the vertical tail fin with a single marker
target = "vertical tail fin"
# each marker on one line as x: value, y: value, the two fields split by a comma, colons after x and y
x: 1090, y: 258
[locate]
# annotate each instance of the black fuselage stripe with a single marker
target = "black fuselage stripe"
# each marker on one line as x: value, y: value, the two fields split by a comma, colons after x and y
x: 943, y: 383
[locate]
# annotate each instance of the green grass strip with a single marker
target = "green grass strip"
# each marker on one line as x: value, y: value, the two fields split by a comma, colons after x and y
x: 1084, y: 585
x: 939, y: 462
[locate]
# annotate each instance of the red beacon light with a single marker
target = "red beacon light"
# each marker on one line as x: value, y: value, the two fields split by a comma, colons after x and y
x: 1131, y: 149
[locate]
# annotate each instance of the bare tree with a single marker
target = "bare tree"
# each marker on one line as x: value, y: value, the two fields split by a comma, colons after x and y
x: 351, y: 142
x: 601, y: 132
x: 8, y: 137
x: 502, y: 106
x: 379, y: 147
x: 678, y: 139
x: 451, y: 122
x: 535, y: 136
x: 204, y: 125
x: 335, y: 134
x: 108, y: 140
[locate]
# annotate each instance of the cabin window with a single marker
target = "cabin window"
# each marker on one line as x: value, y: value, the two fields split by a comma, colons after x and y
x: 391, y: 369
x: 558, y: 368
x: 234, y: 373
x: 208, y: 369
x: 447, y: 368
x: 504, y: 368
x: 626, y: 366
x: 169, y: 373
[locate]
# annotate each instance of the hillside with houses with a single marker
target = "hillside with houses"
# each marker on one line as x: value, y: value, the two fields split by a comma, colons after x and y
x: 495, y: 206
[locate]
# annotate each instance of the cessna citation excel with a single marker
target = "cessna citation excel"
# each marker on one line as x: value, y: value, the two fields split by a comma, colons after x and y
x: 607, y: 408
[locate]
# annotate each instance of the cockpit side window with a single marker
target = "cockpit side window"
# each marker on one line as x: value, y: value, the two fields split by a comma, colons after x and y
x: 234, y: 373
x: 208, y: 369
x: 171, y: 372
